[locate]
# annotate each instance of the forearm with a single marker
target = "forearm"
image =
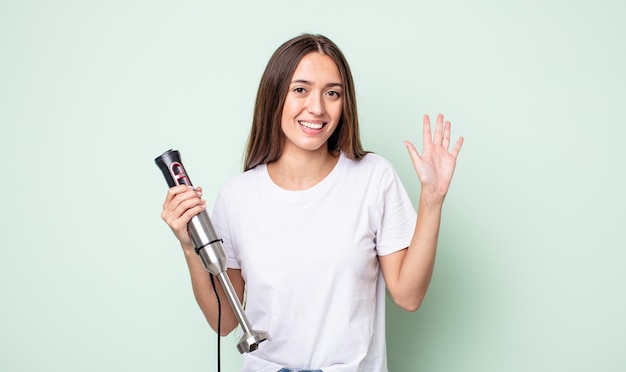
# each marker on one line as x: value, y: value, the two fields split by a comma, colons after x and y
x: 205, y: 295
x: 415, y: 266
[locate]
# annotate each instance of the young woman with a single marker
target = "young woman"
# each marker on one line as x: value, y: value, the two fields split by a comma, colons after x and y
x: 316, y: 229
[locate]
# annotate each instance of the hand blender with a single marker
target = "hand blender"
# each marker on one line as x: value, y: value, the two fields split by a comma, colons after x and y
x: 209, y: 247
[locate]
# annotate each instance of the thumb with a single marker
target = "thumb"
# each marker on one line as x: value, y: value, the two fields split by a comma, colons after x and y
x: 415, y: 157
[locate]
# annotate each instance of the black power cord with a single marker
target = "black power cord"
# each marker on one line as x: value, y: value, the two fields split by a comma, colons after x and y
x: 219, y: 321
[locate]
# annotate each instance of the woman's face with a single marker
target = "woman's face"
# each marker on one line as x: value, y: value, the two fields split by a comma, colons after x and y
x: 313, y: 105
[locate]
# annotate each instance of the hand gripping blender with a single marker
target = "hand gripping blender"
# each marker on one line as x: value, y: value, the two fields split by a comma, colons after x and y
x: 209, y: 247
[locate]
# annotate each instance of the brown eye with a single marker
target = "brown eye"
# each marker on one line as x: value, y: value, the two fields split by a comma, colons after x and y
x: 334, y: 94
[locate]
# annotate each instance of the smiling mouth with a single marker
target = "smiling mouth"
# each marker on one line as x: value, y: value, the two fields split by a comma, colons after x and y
x: 310, y: 125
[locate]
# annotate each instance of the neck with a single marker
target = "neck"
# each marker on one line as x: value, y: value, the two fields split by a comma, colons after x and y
x: 300, y: 171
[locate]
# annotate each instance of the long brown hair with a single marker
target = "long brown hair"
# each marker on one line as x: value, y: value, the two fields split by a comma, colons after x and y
x: 265, y: 143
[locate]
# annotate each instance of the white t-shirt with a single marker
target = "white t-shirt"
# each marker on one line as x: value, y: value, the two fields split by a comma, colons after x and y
x: 309, y: 260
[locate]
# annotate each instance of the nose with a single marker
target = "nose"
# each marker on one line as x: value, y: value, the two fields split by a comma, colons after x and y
x: 315, y: 105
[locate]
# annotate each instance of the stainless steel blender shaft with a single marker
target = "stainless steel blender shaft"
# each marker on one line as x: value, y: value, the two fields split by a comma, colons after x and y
x: 209, y: 247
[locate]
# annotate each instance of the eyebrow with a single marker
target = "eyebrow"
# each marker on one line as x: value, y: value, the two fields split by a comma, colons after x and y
x: 331, y: 84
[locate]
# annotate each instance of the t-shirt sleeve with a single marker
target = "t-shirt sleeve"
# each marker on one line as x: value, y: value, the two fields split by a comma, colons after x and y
x: 221, y: 223
x: 397, y: 215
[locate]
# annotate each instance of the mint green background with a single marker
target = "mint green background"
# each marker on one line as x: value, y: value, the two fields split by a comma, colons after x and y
x: 530, y: 273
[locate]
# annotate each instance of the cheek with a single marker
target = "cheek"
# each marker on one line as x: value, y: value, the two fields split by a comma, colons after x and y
x: 290, y: 110
x: 336, y: 110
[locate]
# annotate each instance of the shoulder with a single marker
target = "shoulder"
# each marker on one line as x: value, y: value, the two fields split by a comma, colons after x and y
x: 371, y: 163
x: 373, y: 173
x: 243, y: 182
x: 374, y: 159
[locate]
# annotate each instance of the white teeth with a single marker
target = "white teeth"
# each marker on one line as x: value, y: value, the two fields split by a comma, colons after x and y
x: 311, y: 125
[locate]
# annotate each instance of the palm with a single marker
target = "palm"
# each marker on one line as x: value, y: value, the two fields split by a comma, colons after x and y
x: 435, y: 166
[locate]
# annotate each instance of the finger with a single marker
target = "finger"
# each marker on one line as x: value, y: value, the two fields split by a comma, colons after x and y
x: 457, y: 147
x: 184, y: 205
x: 415, y: 157
x: 179, y: 225
x: 438, y: 130
x: 172, y: 192
x: 427, y: 134
x: 182, y: 216
x: 181, y: 192
x: 178, y: 203
x: 446, y: 135
x: 179, y: 216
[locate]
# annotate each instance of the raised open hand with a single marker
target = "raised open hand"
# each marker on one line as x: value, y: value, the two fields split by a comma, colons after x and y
x: 435, y: 166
